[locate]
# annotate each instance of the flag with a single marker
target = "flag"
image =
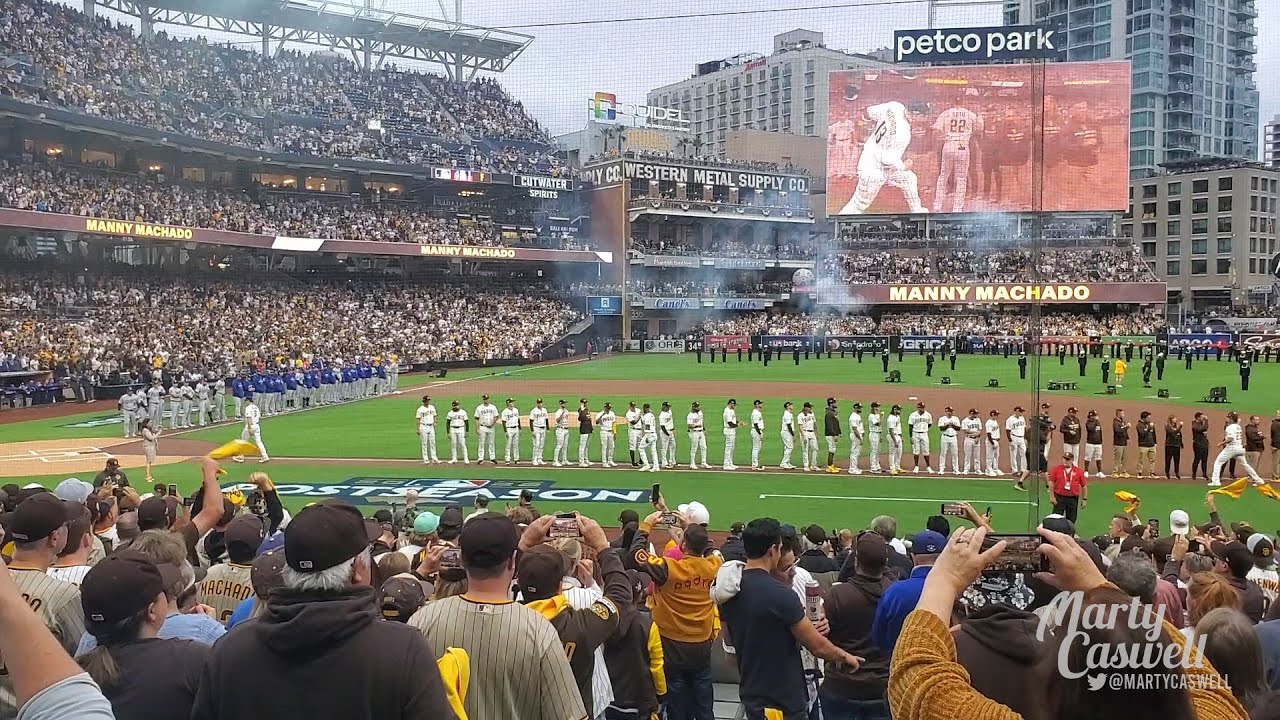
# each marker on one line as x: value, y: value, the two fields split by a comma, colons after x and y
x: 1234, y: 490
x: 234, y: 447
x: 1267, y: 490
x: 1131, y: 501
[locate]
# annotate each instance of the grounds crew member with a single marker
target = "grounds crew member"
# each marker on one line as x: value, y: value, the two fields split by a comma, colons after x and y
x: 684, y: 612
x: 540, y: 573
x: 1067, y: 488
x: 831, y: 430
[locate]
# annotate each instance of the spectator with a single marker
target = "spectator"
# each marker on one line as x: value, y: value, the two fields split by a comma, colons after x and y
x: 401, y: 597
x: 851, y: 609
x: 684, y: 613
x: 126, y: 601
x: 519, y: 668
x: 1133, y: 574
x: 633, y: 656
x: 1232, y: 647
x: 814, y: 558
x: 1206, y: 592
x: 228, y: 584
x: 899, y: 564
x: 324, y: 624
x: 73, y: 559
x: 266, y: 575
x: 1234, y: 561
x: 1263, y: 573
x: 998, y: 645
x: 900, y: 598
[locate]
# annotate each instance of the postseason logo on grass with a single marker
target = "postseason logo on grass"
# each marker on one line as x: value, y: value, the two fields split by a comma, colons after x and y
x: 391, y: 490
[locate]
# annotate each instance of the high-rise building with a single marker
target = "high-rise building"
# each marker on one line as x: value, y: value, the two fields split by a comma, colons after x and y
x: 1208, y: 229
x: 784, y: 92
x: 1271, y: 142
x: 1194, y: 92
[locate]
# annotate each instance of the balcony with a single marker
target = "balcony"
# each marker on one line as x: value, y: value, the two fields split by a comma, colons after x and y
x: 1178, y: 125
x: 1244, y: 9
x: 1182, y: 9
x: 1242, y: 29
x: 1181, y: 68
x: 1180, y: 88
x: 1245, y: 47
x: 1182, y: 29
x: 1178, y: 106
x: 1187, y: 48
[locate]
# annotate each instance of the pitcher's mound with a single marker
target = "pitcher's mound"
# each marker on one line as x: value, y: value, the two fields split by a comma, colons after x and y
x: 78, y: 456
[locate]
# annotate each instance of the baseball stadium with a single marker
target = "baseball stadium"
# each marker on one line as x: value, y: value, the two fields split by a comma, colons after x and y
x: 317, y: 315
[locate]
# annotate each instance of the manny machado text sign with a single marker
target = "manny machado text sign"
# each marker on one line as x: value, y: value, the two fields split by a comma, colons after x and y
x: 990, y: 293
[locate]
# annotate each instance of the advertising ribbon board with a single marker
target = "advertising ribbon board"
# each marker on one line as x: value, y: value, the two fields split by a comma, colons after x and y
x: 1260, y: 341
x: 1195, y: 340
x: 664, y: 346
x: 604, y: 305
x: 726, y: 342
x: 991, y: 293
x: 852, y: 343
x: 786, y: 342
x: 912, y: 343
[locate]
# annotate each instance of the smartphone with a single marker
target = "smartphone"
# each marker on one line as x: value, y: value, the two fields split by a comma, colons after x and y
x: 451, y: 558
x: 173, y: 490
x: 953, y: 509
x: 565, y: 526
x: 667, y: 520
x: 1020, y: 555
x: 655, y: 494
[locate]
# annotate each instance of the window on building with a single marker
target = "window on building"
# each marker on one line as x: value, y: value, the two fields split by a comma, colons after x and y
x: 1200, y: 186
x: 1148, y: 191
x: 1173, y: 227
x: 1173, y: 267
x: 1224, y: 245
x: 1224, y: 203
x: 1223, y: 266
x: 1175, y: 207
x: 1253, y: 245
x: 1148, y: 210
x: 1253, y: 266
x: 1253, y: 224
x: 1253, y: 182
x: 1149, y: 249
x: 1175, y: 188
x: 1200, y: 205
x: 1224, y: 183
x: 1200, y: 226
x: 1224, y: 224
x: 1253, y: 203
x: 1148, y: 230
x: 1199, y: 267
x: 1199, y: 246
x: 1173, y: 247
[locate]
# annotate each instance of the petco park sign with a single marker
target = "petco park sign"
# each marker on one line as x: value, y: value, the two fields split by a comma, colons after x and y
x: 990, y: 293
x: 1017, y: 42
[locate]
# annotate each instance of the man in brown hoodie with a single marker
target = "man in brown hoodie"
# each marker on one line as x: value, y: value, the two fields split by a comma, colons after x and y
x: 851, y: 608
x: 997, y: 644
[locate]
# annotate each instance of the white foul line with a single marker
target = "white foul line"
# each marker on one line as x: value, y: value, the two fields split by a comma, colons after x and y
x: 894, y: 499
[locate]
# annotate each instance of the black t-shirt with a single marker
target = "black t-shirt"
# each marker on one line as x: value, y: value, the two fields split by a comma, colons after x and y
x: 584, y: 422
x: 1093, y: 431
x: 1146, y: 433
x: 1119, y: 433
x: 1070, y: 428
x: 760, y: 618
x: 1200, y: 434
x: 158, y: 679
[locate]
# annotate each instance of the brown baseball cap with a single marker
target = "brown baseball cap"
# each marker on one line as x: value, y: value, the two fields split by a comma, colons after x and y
x: 540, y: 572
x: 401, y: 598
x: 40, y: 516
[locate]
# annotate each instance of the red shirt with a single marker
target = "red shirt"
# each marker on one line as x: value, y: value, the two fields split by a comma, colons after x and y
x: 1066, y: 481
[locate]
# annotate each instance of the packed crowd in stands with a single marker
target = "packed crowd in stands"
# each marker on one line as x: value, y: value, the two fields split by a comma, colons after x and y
x: 76, y: 191
x: 799, y: 249
x: 130, y: 319
x: 310, y: 104
x: 1056, y: 265
x: 1140, y: 322
x: 741, y: 287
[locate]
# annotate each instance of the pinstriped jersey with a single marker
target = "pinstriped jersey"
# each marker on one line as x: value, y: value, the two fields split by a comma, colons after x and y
x: 519, y: 667
x: 225, y: 587
x: 57, y: 604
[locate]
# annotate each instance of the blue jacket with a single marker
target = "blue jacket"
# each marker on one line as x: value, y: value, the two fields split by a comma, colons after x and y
x: 238, y: 388
x: 382, y: 371
x: 290, y: 381
x: 895, y: 605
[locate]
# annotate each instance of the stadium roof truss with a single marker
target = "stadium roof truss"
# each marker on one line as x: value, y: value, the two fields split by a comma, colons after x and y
x: 369, y: 34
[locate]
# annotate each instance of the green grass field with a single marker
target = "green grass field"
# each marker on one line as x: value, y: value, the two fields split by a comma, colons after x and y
x: 367, y: 451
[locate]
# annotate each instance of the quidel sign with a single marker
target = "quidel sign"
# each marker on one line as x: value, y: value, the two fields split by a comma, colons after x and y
x: 1015, y: 42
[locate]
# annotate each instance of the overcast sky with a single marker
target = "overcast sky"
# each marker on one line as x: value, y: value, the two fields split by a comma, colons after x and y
x: 585, y: 46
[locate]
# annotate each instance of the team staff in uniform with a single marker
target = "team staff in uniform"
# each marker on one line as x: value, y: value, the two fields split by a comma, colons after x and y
x: 667, y: 436
x: 426, y: 429
x: 253, y: 430
x: 855, y: 438
x: 1275, y: 444
x: 649, y: 440
x: 584, y: 433
x: 129, y: 412
x: 510, y: 418
x: 697, y: 437
x: 1120, y: 445
x: 1093, y: 444
x: 808, y: 437
x: 633, y: 433
x: 1070, y: 429
x: 486, y: 416
x: 1173, y: 447
x: 560, y: 456
x: 459, y: 427
x: 919, y: 421
x: 831, y: 431
x: 730, y: 426
x: 1146, y: 432
x: 1200, y: 445
x: 757, y: 433
x: 788, y: 434
x: 1068, y: 491
x: 538, y: 428
x: 606, y: 421
x: 948, y: 427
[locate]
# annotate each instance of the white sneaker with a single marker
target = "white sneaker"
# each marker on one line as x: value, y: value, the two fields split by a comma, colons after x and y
x: 706, y: 466
x: 931, y: 471
x: 238, y: 459
x: 556, y: 464
x: 1259, y: 481
x: 963, y: 472
x: 806, y: 467
x: 729, y: 467
x: 759, y: 467
x: 1214, y: 483
x: 1100, y: 475
x: 644, y: 468
x: 263, y: 460
x: 653, y: 469
x: 855, y: 471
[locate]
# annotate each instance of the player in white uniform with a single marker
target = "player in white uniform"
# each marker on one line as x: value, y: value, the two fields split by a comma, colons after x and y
x: 957, y: 126
x: 560, y: 456
x: 511, y: 423
x: 486, y: 417
x: 919, y: 422
x: 202, y: 403
x: 949, y: 444
x: 730, y: 433
x: 426, y: 428
x: 633, y: 432
x: 697, y: 437
x: 971, y: 428
x: 188, y: 400
x: 253, y: 430
x: 808, y: 437
x: 458, y: 429
x: 175, y: 405
x: 881, y: 160
x: 538, y: 427
x: 893, y: 424
x: 1015, y: 431
x: 993, y: 444
x: 1232, y: 449
x: 155, y: 403
x: 129, y: 412
x: 856, y: 432
x: 874, y: 426
x: 757, y: 433
x: 649, y: 440
x: 605, y: 420
x: 667, y: 436
x: 788, y: 436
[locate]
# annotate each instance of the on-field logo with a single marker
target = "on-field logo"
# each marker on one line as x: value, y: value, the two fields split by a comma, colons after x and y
x: 391, y: 490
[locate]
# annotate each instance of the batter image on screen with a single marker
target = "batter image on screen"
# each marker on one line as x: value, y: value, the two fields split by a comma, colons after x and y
x: 957, y: 126
x: 881, y: 160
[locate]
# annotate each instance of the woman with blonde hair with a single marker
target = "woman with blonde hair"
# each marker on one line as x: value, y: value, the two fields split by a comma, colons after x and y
x: 1206, y: 592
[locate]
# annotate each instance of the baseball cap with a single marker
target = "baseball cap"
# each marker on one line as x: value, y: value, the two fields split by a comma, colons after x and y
x: 488, y: 541
x: 245, y: 530
x: 383, y: 515
x: 73, y: 490
x: 426, y: 523
x: 401, y: 598
x: 154, y: 514
x: 871, y: 551
x: 1179, y: 522
x: 122, y: 584
x: 324, y: 535
x: 1236, y: 555
x: 1242, y: 530
x: 696, y: 512
x: 451, y: 517
x: 927, y: 542
x: 267, y: 572
x: 815, y: 534
x: 1260, y: 545
x: 1059, y: 523
x: 539, y: 572
x: 40, y: 516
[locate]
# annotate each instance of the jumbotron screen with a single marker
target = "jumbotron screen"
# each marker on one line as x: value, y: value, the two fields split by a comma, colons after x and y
x: 966, y: 138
